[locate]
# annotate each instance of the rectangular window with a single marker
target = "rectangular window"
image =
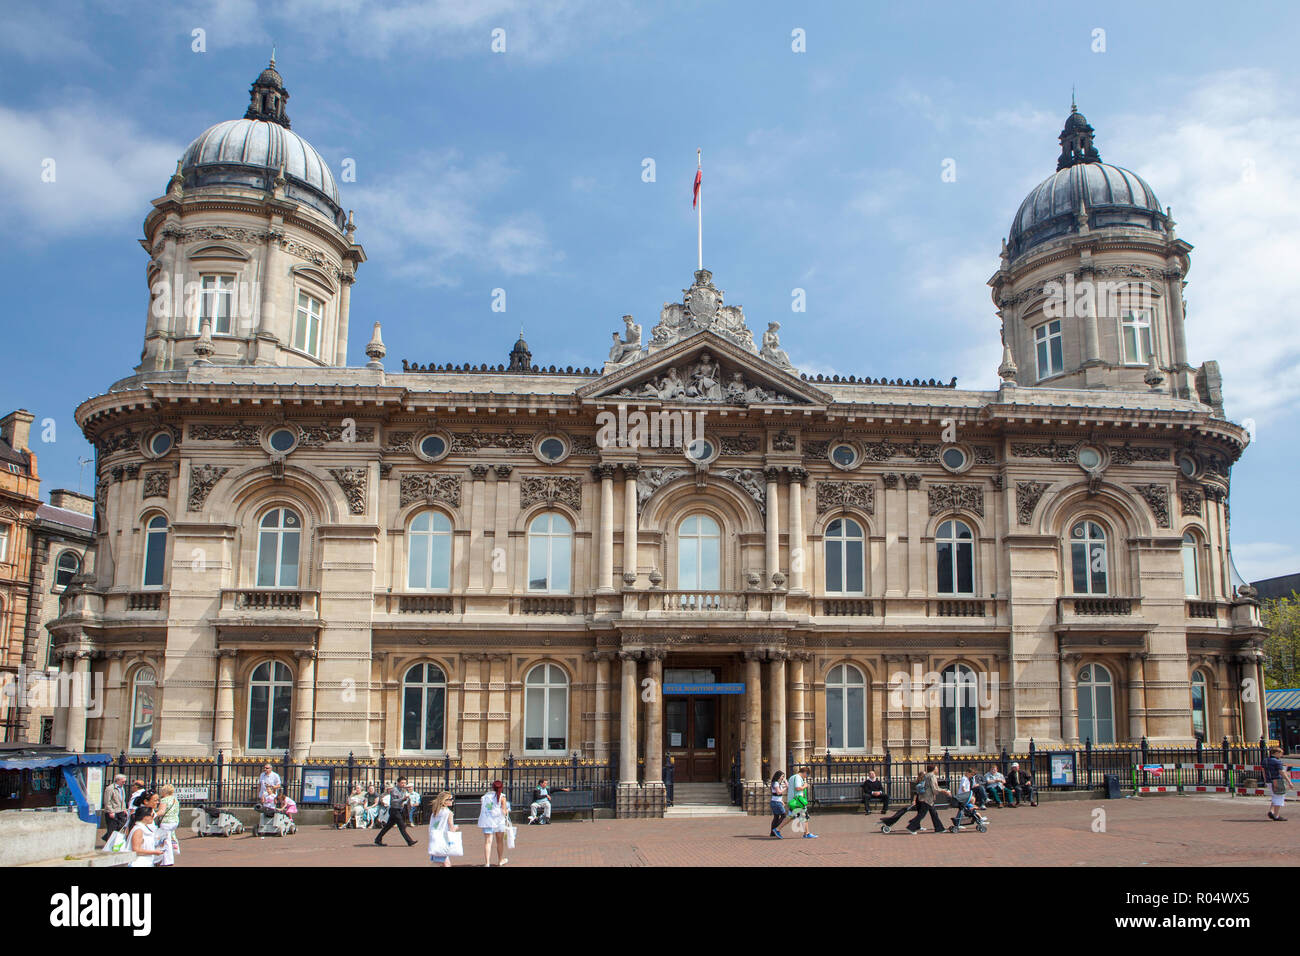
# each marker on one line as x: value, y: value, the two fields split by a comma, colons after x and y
x: 1135, y: 333
x: 945, y: 567
x: 834, y: 718
x: 306, y: 328
x: 1047, y: 342
x: 857, y: 713
x: 1191, y: 582
x: 4, y: 543
x: 217, y: 302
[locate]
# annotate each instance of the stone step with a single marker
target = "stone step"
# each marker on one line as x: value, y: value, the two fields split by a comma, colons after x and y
x: 702, y: 810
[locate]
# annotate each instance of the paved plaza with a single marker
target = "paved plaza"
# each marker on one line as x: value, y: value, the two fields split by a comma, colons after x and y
x: 1203, y: 830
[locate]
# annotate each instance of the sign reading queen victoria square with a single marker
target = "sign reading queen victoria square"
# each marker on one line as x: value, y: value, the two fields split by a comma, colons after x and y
x: 700, y: 381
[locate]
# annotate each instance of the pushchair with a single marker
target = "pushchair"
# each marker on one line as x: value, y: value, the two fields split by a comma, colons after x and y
x: 966, y: 808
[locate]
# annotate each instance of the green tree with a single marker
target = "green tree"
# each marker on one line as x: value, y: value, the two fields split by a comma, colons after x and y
x: 1282, y: 646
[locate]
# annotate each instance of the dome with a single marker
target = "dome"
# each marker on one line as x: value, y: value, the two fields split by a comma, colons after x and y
x: 1112, y: 196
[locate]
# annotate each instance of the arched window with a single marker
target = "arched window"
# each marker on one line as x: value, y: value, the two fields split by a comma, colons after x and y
x: 424, y: 704
x: 546, y: 710
x: 428, y: 554
x: 1200, y: 705
x: 1191, y: 566
x: 844, y: 559
x: 955, y: 550
x: 699, y: 554
x: 270, y: 702
x: 550, y: 553
x: 1088, y: 560
x: 142, y: 709
x: 958, y: 708
x: 1096, y: 704
x: 155, y: 551
x: 279, y: 534
x: 846, y: 708
x: 65, y: 568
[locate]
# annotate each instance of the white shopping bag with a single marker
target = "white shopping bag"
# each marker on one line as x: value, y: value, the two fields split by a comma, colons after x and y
x: 454, y: 845
x: 116, y: 843
x: 799, y: 824
x: 510, y: 837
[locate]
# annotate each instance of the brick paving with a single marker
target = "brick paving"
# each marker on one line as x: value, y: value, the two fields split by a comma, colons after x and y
x: 1150, y: 831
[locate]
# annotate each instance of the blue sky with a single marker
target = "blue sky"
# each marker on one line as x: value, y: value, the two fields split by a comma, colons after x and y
x: 522, y: 170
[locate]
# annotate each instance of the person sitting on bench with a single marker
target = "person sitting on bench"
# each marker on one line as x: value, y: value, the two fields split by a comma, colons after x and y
x: 995, y: 786
x: 874, y: 788
x: 539, y: 811
x: 1021, y: 786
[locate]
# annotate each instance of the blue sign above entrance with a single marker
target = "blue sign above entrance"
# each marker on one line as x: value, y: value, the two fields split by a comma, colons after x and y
x: 681, y: 690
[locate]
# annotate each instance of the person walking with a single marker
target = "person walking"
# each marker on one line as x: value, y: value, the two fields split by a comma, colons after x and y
x: 115, y: 815
x: 927, y: 794
x: 168, y: 818
x: 892, y: 819
x: 143, y: 837
x: 440, y: 825
x: 1279, y: 782
x: 779, y: 815
x: 801, y: 791
x: 493, y: 820
x: 399, y: 799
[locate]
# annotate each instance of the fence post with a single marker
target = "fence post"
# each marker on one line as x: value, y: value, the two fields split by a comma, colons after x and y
x: 510, y: 773
x: 284, y: 777
x: 1087, y: 757
x: 121, y: 762
x: 1003, y: 769
x: 947, y: 771
x: 1200, y: 758
x: 221, y: 766
x: 446, y: 772
x: 889, y: 777
x: 153, y: 770
x: 351, y: 766
x: 383, y: 762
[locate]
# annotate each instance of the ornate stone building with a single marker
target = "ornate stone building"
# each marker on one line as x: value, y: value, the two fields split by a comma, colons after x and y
x: 20, y: 496
x: 693, y: 550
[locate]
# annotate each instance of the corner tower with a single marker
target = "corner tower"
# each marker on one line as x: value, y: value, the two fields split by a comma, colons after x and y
x: 251, y: 256
x: 1090, y: 287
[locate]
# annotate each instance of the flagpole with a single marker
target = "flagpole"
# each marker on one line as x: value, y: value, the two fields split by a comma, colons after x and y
x: 699, y: 215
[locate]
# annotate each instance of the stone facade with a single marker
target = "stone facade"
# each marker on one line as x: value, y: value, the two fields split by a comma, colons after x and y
x: 329, y: 533
x: 19, y: 498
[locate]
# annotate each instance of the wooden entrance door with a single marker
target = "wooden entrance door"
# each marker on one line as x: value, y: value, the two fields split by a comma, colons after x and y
x: 691, y: 737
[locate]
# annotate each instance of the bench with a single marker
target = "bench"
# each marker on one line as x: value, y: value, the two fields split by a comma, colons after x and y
x: 573, y: 801
x: 836, y: 794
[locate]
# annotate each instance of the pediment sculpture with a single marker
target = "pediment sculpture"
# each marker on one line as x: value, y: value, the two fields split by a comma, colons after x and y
x: 704, y: 381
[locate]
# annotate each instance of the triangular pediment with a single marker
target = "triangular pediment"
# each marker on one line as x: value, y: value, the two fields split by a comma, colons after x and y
x: 704, y: 369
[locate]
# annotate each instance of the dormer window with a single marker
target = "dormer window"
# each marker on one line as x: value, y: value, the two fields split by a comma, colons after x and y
x: 217, y: 302
x: 1135, y: 335
x: 306, y: 327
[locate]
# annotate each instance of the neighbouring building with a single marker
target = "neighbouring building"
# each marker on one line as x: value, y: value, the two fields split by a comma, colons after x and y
x: 19, y: 498
x: 693, y: 549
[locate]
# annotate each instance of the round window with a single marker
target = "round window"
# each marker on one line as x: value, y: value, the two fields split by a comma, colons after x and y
x: 700, y: 449
x: 844, y: 455
x: 551, y: 449
x: 160, y: 443
x: 954, y: 459
x: 433, y: 446
x: 282, y: 440
x: 1187, y: 465
x: 1089, y: 457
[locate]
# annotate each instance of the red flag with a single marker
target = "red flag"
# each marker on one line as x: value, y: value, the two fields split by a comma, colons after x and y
x: 695, y: 195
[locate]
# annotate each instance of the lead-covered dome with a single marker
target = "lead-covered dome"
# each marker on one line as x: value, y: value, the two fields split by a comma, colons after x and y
x: 250, y: 152
x: 1111, y: 196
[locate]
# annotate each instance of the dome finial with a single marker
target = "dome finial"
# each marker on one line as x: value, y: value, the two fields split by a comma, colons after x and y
x: 268, y: 97
x: 1073, y: 107
x: 1076, y: 140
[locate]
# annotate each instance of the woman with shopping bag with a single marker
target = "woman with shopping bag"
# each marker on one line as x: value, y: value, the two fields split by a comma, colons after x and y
x: 169, y: 818
x: 143, y: 837
x: 494, y: 821
x: 444, y: 835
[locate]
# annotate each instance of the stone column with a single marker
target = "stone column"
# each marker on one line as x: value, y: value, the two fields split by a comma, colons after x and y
x: 1259, y: 708
x: 798, y: 722
x: 914, y: 520
x: 79, y: 692
x: 605, y: 472
x: 630, y: 472
x: 753, y: 768
x: 777, y: 752
x: 602, y: 659
x: 304, y: 703
x: 1069, y: 710
x: 773, y: 554
x: 478, y: 515
x: 1137, y: 716
x: 627, y: 720
x: 798, y: 555
x: 654, y: 720
x: 1252, y: 727
x: 60, y: 712
x: 1177, y: 327
x: 223, y: 724
x: 341, y: 333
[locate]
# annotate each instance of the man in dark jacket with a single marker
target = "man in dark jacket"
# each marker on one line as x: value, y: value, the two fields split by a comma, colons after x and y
x: 399, y: 798
x: 874, y: 788
x: 1021, y: 786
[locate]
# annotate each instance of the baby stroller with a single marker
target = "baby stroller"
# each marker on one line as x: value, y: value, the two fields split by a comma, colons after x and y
x: 966, y: 808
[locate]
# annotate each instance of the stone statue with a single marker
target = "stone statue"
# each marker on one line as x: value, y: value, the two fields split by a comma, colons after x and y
x: 629, y: 346
x: 772, y: 350
x: 704, y: 380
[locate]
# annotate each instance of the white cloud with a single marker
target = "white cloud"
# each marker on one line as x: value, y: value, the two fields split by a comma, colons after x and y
x: 427, y: 223
x: 105, y: 169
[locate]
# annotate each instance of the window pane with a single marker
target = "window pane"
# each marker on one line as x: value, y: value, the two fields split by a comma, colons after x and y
x: 1105, y: 721
x: 834, y: 567
x: 280, y: 719
x: 1098, y: 569
x: 417, y: 570
x: 257, y: 716
x: 154, y: 557
x: 944, y: 551
x: 968, y: 726
x: 835, y: 717
x: 289, y: 560
x: 853, y: 578
x: 537, y: 563
x: 556, y: 719
x: 440, y: 563
x: 705, y: 731
x: 710, y: 564
x: 1084, y: 697
x: 947, y: 724
x: 1044, y: 366
x: 965, y: 569
x: 560, y: 564
x: 1190, y: 584
x: 1079, y: 568
x: 142, y: 717
x: 412, y: 698
x: 534, y: 727
x: 688, y: 569
x: 857, y: 731
x: 435, y: 705
x: 266, y: 559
